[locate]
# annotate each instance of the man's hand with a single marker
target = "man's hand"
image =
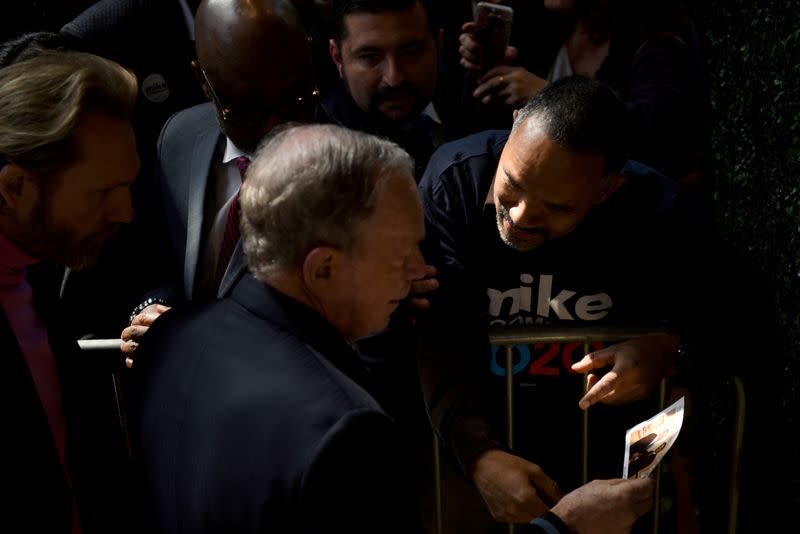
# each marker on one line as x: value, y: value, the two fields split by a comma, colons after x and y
x: 515, y: 490
x: 471, y: 50
x: 638, y: 366
x: 511, y: 86
x: 606, y: 506
x: 131, y: 335
x: 422, y: 287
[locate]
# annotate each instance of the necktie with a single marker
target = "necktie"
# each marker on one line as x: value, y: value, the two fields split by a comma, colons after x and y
x: 231, y: 235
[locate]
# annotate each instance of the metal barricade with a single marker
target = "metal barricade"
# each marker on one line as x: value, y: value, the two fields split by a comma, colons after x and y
x: 106, y: 345
x: 508, y: 337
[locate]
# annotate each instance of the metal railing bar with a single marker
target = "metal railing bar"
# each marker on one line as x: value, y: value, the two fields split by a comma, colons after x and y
x: 91, y: 345
x: 662, y: 401
x: 563, y: 334
x: 585, y: 418
x: 508, y: 337
x: 437, y: 483
x: 736, y: 457
x: 510, y: 394
x: 99, y: 344
x: 510, y: 404
x: 123, y: 419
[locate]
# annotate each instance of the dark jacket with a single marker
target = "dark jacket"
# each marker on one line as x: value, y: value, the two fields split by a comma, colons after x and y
x: 38, y: 496
x: 252, y: 417
x: 637, y: 258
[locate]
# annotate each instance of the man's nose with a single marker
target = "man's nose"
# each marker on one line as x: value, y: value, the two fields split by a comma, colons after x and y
x: 526, y: 213
x: 393, y: 72
x: 415, y: 267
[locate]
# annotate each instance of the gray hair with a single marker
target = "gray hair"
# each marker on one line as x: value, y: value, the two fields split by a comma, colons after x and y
x: 310, y: 186
x: 42, y: 99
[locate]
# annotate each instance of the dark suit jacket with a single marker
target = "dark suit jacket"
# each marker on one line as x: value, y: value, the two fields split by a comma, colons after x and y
x: 37, y: 495
x: 190, y: 144
x: 253, y: 417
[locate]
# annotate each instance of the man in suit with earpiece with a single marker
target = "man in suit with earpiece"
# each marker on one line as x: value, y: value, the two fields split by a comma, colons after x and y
x: 254, y: 65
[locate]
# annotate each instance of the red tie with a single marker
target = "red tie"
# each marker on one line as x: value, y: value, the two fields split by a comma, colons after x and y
x: 231, y: 235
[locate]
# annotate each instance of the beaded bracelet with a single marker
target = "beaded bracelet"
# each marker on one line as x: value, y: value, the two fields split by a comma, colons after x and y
x: 149, y: 302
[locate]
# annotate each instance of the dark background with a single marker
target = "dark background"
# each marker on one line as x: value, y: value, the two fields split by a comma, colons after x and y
x: 754, y: 78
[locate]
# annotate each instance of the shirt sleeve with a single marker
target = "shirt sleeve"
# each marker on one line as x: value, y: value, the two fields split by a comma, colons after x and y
x: 453, y: 333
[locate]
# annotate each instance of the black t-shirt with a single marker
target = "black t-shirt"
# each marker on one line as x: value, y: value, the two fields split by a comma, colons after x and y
x: 624, y: 263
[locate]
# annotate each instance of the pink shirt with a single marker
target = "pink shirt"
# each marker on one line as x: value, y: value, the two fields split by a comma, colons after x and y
x: 16, y: 299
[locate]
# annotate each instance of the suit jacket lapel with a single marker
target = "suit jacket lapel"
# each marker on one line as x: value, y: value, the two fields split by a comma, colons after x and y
x: 202, y: 167
x: 236, y: 268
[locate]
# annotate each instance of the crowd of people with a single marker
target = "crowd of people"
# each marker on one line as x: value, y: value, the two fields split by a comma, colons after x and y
x: 296, y: 220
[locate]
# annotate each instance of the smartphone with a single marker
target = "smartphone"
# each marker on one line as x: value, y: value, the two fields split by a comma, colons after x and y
x: 493, y: 22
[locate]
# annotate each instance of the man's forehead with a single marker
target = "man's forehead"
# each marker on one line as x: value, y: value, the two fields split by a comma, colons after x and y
x: 105, y: 150
x: 267, y: 73
x: 532, y: 155
x: 532, y: 127
x: 390, y: 25
x: 399, y: 197
x: 525, y: 147
x: 266, y: 43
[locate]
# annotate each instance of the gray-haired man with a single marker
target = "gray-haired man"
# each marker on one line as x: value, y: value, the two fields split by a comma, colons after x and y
x: 262, y: 392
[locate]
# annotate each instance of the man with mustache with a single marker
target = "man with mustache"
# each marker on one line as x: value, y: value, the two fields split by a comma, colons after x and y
x: 386, y: 52
x: 549, y: 224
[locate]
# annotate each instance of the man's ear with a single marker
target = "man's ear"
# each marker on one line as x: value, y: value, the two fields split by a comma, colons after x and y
x: 611, y: 183
x: 319, y: 268
x: 336, y: 55
x: 17, y: 188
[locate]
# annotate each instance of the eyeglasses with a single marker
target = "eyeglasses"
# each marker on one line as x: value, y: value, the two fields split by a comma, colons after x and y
x: 291, y: 107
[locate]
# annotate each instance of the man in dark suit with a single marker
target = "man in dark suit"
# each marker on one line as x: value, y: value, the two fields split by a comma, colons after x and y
x: 65, y: 176
x: 261, y: 393
x: 254, y: 64
x: 254, y: 412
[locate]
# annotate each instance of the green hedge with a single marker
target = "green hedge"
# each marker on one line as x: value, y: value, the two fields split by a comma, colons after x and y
x: 754, y: 71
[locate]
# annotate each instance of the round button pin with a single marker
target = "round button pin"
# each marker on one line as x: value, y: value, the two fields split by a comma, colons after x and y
x: 155, y: 88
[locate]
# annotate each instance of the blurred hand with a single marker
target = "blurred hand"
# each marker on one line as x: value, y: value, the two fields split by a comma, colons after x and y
x: 606, y: 506
x: 422, y: 287
x: 471, y: 50
x: 131, y: 335
x: 510, y: 86
x: 514, y: 489
x: 638, y: 366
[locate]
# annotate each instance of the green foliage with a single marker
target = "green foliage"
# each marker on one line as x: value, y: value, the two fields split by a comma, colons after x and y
x: 754, y: 70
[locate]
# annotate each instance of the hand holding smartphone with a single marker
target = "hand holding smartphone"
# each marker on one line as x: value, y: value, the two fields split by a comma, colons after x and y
x: 493, y: 29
